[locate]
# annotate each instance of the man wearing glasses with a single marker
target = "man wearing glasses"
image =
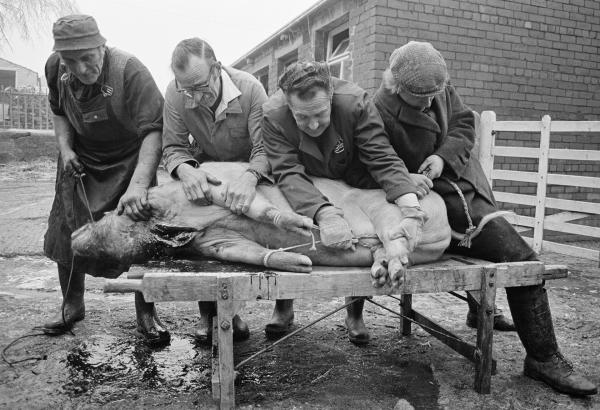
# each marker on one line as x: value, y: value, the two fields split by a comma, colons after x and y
x: 221, y: 108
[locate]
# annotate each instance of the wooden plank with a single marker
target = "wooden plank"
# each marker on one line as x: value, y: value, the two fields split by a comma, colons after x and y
x: 123, y: 286
x: 574, y: 154
x: 450, y: 275
x: 174, y: 286
x: 516, y: 152
x: 225, y: 314
x: 521, y: 220
x: 486, y: 143
x: 485, y: 331
x: 575, y: 251
x: 357, y: 283
x: 542, y: 177
x: 508, y: 175
x: 406, y: 310
x: 216, y: 375
x: 515, y: 198
x: 572, y: 228
x: 454, y: 342
x: 524, y: 126
x: 575, y: 126
x: 570, y: 205
x: 564, y: 216
x: 573, y: 180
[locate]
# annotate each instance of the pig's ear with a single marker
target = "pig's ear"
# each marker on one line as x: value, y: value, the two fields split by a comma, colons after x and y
x: 174, y: 236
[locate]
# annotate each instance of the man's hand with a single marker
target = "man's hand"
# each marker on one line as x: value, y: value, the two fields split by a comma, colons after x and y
x: 134, y: 203
x: 423, y: 183
x: 240, y: 193
x: 335, y: 231
x: 71, y: 163
x: 196, y: 182
x: 432, y: 167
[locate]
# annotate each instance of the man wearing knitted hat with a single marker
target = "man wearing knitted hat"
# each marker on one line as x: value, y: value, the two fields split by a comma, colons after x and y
x: 108, y: 123
x: 319, y: 125
x: 433, y: 132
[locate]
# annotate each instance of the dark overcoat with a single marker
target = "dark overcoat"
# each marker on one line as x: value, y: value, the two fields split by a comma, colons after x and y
x: 354, y: 148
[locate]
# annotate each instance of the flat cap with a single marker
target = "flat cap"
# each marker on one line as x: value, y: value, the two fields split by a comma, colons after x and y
x: 419, y: 69
x: 76, y: 32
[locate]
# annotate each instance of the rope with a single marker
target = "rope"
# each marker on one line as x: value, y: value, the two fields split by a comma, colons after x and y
x: 243, y: 362
x: 472, y: 231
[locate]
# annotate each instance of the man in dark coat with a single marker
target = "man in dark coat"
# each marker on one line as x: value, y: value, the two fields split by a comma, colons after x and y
x: 321, y: 126
x: 433, y: 132
x: 108, y: 123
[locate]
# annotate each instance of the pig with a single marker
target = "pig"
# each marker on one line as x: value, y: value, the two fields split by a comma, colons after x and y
x: 269, y: 234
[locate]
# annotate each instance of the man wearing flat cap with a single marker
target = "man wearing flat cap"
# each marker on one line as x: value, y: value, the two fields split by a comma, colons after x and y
x: 433, y: 132
x: 321, y: 126
x: 108, y: 122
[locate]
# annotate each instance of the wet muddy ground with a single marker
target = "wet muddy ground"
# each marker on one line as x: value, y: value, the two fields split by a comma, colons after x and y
x: 103, y: 364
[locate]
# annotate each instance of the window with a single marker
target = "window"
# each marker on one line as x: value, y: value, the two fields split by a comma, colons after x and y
x: 263, y: 76
x: 286, y: 61
x: 7, y: 79
x: 338, y: 53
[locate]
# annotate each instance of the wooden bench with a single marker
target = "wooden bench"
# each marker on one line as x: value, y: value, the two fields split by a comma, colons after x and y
x: 451, y: 274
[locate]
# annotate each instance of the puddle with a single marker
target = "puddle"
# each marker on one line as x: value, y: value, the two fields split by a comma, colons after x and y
x: 123, y: 363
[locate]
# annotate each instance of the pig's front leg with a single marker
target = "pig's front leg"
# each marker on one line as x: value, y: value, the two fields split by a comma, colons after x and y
x: 262, y: 210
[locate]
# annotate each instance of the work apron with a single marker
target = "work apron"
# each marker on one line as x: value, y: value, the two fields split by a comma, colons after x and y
x: 108, y: 152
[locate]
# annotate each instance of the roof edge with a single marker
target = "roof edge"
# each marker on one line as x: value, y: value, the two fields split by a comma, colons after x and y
x: 313, y: 8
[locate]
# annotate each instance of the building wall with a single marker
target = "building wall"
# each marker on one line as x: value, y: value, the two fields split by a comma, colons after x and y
x: 24, y: 78
x: 520, y: 58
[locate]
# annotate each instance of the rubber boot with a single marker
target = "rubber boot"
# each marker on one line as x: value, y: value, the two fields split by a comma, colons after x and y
x: 357, y: 331
x: 281, y: 320
x: 149, y: 327
x: 73, y: 305
x: 501, y: 322
x: 204, y: 332
x: 533, y: 321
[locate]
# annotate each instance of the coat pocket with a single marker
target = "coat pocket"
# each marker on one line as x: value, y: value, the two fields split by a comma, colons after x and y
x: 95, y: 116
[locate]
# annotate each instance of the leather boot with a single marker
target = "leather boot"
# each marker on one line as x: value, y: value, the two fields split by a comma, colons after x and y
x: 533, y: 320
x: 357, y: 331
x: 281, y: 320
x: 74, y: 307
x: 501, y: 322
x: 204, y: 332
x: 149, y: 327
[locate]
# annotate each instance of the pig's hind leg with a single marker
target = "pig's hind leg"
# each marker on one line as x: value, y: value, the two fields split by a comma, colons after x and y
x: 241, y: 249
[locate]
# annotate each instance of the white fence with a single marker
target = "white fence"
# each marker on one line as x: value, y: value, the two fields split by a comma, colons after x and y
x: 571, y: 209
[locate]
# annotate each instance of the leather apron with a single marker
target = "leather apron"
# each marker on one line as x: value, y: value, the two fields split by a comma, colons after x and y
x: 108, y: 149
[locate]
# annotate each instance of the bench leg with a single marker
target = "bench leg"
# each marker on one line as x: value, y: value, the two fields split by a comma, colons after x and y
x: 485, y: 331
x: 224, y: 349
x: 406, y: 310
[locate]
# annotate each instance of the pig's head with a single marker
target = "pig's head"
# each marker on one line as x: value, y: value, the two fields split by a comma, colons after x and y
x: 114, y: 238
x: 119, y: 239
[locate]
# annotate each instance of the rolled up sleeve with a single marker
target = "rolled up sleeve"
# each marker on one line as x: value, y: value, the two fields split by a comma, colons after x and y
x: 175, y: 136
x: 51, y: 70
x: 258, y: 156
x: 143, y: 98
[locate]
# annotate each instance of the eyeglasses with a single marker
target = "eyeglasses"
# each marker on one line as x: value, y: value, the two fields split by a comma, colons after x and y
x: 201, y: 88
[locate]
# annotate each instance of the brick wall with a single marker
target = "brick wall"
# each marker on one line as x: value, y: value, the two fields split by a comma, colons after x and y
x: 520, y: 58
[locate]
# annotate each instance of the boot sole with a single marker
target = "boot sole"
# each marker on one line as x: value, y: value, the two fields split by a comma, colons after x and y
x: 535, y: 375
